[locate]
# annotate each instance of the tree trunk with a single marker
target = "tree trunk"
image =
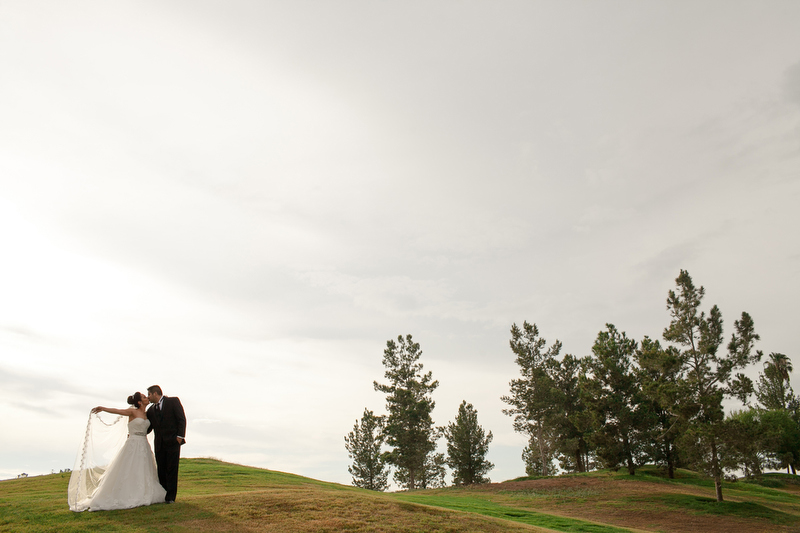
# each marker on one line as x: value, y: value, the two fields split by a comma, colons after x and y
x: 542, y: 455
x: 579, y: 458
x: 670, y: 462
x: 583, y: 462
x: 628, y: 456
x: 716, y: 469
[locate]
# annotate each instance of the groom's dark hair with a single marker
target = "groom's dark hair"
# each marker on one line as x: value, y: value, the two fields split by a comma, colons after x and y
x: 155, y: 388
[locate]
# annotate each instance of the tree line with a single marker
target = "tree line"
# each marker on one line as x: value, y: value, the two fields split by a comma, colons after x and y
x: 408, y: 428
x: 627, y: 404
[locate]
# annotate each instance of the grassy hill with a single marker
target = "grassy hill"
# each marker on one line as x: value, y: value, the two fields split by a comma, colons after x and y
x: 215, y: 496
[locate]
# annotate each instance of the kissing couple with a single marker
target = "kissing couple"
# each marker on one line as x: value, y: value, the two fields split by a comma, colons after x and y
x: 116, y: 469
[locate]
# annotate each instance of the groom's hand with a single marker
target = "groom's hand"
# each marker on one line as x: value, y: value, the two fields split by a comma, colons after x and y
x: 180, y: 440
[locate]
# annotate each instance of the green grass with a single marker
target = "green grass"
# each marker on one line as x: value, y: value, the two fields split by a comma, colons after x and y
x: 701, y: 505
x: 489, y: 508
x: 686, y: 477
x: 761, y: 489
x: 774, y: 480
x: 215, y: 496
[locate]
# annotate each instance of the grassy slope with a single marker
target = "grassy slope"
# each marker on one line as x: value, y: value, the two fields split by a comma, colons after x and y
x: 645, y: 502
x: 216, y: 496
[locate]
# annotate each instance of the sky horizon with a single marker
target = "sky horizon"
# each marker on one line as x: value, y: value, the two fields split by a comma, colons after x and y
x: 243, y: 202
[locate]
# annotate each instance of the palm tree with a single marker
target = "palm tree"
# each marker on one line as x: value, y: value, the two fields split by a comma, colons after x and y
x: 773, y: 383
x: 782, y: 365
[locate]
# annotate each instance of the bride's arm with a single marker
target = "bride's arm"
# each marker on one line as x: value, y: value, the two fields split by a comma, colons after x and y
x: 126, y: 412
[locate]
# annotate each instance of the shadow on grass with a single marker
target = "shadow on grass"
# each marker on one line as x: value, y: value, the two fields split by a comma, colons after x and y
x: 763, y: 487
x: 701, y: 505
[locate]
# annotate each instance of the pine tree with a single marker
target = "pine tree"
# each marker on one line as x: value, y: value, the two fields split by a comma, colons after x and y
x: 571, y: 423
x: 467, y: 445
x: 661, y: 378
x: 363, y: 445
x: 708, y: 375
x: 409, y: 427
x: 533, y: 396
x: 614, y: 398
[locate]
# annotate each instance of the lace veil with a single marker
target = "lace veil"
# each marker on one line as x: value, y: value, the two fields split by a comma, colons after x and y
x: 101, y: 443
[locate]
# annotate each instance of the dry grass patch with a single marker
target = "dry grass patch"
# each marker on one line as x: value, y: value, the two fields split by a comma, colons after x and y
x: 301, y: 510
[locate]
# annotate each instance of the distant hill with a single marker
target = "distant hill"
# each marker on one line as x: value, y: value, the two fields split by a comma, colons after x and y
x: 215, y: 496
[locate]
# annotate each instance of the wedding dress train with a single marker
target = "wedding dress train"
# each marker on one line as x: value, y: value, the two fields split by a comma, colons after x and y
x: 130, y: 479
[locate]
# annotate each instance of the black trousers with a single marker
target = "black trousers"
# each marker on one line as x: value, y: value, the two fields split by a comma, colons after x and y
x: 167, y: 459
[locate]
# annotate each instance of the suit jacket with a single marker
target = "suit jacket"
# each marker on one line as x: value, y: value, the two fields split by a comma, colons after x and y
x: 169, y: 423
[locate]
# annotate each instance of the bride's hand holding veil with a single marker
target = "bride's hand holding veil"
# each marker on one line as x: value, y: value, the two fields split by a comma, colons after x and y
x: 124, y: 412
x: 138, y: 402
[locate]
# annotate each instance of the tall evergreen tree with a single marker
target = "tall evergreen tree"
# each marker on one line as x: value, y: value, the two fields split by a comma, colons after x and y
x: 708, y: 374
x: 532, y: 398
x: 363, y: 445
x: 409, y: 427
x: 660, y: 375
x: 615, y: 401
x: 467, y: 445
x: 571, y: 420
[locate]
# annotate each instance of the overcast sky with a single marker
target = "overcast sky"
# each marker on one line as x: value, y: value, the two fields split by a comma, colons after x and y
x: 243, y: 201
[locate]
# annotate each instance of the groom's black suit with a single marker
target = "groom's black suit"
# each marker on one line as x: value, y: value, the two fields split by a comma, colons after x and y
x: 169, y: 423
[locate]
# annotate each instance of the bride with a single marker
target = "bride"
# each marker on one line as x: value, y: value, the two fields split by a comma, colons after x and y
x: 111, y: 471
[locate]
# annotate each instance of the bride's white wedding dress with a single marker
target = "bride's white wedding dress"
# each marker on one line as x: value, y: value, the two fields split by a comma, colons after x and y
x: 129, y: 480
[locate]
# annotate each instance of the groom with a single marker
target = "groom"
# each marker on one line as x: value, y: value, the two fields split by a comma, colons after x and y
x: 169, y: 422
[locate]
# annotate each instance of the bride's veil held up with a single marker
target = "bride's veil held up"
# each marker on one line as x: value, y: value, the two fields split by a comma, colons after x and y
x: 101, y: 443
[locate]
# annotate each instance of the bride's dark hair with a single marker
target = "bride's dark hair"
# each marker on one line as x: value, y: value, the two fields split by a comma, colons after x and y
x: 135, y: 399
